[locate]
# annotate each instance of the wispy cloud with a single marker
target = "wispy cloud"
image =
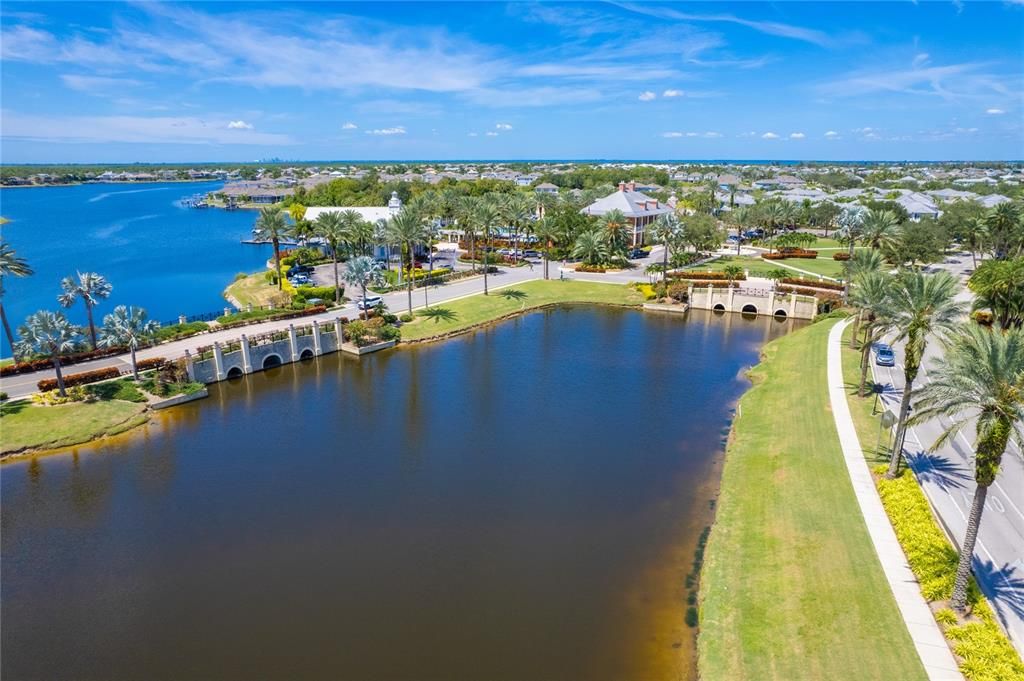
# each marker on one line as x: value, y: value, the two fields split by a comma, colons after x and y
x: 491, y: 133
x: 396, y: 130
x: 647, y: 96
x: 768, y: 27
x: 949, y: 82
x: 239, y: 125
x: 769, y: 136
x: 503, y: 126
x: 349, y: 126
x: 98, y: 85
x: 996, y: 112
x: 832, y: 135
x: 796, y: 135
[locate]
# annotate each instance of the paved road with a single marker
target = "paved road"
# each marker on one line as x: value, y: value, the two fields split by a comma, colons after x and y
x: 947, y: 476
x: 25, y: 384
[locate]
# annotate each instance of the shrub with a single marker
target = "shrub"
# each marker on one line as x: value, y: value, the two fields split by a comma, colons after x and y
x: 983, y: 317
x: 389, y: 333
x: 80, y: 379
x: 3, y: 397
x: 591, y: 268
x: 67, y: 360
x: 389, y: 318
x: 152, y: 363
x: 175, y: 331
x: 247, y: 317
x: 52, y: 397
x: 322, y: 292
x: 790, y: 253
x: 679, y: 292
x: 240, y: 275
x: 287, y: 262
x: 814, y: 283
x: 647, y: 291
x: 406, y: 318
x: 841, y: 255
x: 357, y: 332
x: 946, y: 616
x: 709, y: 275
x: 124, y: 389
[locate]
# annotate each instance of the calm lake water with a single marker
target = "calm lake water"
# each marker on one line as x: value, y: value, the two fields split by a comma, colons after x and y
x: 157, y: 254
x: 519, y: 503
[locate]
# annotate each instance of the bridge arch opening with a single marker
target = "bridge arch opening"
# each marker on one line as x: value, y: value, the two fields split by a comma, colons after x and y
x: 780, y: 314
x: 719, y: 307
x: 271, y: 361
x: 235, y: 372
x: 306, y: 354
x: 749, y: 309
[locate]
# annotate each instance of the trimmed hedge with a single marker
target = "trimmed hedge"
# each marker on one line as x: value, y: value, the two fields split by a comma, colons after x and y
x: 794, y: 253
x: 841, y: 255
x: 710, y: 275
x: 814, y: 283
x: 48, y: 384
x: 176, y: 331
x: 66, y: 360
x: 152, y: 363
x: 245, y: 318
x: 597, y: 269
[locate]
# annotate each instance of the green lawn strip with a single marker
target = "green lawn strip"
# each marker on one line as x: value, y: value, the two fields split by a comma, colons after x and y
x: 27, y: 426
x: 254, y: 289
x: 824, y: 265
x: 984, y: 652
x: 792, y: 588
x: 478, y: 309
x: 756, y: 266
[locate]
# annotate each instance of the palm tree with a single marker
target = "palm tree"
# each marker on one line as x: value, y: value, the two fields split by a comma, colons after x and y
x: 331, y: 228
x: 408, y: 230
x: 362, y: 271
x: 127, y: 327
x: 666, y: 231
x: 973, y: 234
x: 359, y: 232
x: 271, y: 226
x: 740, y: 217
x: 591, y: 247
x: 91, y: 288
x: 547, y: 234
x: 732, y: 273
x: 880, y: 230
x: 518, y: 211
x: 981, y: 377
x: 10, y: 265
x: 862, y: 262
x: 616, y: 233
x: 870, y: 296
x: 1005, y: 231
x: 485, y: 217
x: 851, y: 223
x: 920, y: 305
x: 48, y: 333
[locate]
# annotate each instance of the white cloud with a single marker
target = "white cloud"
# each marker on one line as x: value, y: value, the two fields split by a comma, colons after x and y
x: 950, y: 82
x: 796, y: 135
x: 671, y: 134
x: 994, y: 112
x: 97, y: 85
x: 832, y: 135
x: 647, y: 96
x: 472, y: 134
x: 672, y: 93
x: 397, y: 130
x: 769, y: 136
x: 768, y: 27
x: 491, y: 133
x: 349, y: 126
x: 712, y: 133
x: 503, y: 126
x: 920, y: 60
x: 239, y: 125
x: 140, y: 129
x: 747, y: 134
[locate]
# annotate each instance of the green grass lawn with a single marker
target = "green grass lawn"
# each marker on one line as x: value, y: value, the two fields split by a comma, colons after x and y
x: 29, y: 426
x: 756, y: 266
x: 823, y: 265
x: 792, y: 588
x: 478, y: 309
x: 255, y: 289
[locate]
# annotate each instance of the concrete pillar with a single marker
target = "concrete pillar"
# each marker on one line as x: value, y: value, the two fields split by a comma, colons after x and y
x: 246, y: 354
x: 190, y: 367
x: 689, y: 295
x: 317, y: 348
x: 270, y: 306
x: 293, y: 342
x: 711, y: 296
x: 181, y: 319
x: 218, y: 361
x: 771, y: 302
x: 248, y: 307
x: 340, y: 337
x: 227, y: 311
x: 728, y: 304
x: 792, y: 305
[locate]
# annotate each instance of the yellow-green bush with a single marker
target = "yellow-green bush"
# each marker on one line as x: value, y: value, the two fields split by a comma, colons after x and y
x: 647, y: 291
x: 985, y: 652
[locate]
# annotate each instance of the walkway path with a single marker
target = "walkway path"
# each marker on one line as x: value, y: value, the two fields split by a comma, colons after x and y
x: 931, y: 645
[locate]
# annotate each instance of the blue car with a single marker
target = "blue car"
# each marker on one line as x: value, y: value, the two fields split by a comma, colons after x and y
x: 884, y: 356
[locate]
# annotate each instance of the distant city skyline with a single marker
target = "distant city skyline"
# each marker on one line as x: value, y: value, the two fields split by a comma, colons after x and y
x: 236, y: 82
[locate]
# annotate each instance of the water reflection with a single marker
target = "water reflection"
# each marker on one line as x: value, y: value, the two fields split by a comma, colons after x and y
x: 522, y: 502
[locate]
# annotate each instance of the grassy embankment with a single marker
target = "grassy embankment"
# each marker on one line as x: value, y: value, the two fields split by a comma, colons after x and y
x: 479, y: 309
x: 256, y: 290
x: 792, y: 588
x: 983, y: 651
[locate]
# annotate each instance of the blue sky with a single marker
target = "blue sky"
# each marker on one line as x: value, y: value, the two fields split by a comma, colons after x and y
x: 235, y: 81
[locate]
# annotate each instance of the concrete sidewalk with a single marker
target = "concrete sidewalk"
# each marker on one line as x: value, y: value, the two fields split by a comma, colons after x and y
x: 938, y: 660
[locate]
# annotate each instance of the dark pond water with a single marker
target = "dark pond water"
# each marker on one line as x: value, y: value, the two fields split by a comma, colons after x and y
x: 520, y: 503
x: 156, y: 253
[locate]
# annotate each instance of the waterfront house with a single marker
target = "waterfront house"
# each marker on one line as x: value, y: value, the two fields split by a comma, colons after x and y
x: 376, y: 215
x: 546, y: 188
x: 640, y: 210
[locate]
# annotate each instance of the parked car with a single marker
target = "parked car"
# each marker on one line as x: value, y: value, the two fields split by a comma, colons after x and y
x: 733, y: 239
x: 884, y: 356
x: 637, y: 253
x: 531, y: 253
x: 300, y: 269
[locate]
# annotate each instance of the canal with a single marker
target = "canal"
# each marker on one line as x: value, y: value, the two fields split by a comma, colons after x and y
x: 523, y: 502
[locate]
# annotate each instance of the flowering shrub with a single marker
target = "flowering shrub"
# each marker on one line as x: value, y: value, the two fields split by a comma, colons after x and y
x: 80, y: 379
x: 153, y: 363
x: 790, y: 253
x: 841, y: 255
x: 38, y: 364
x: 591, y: 268
x: 708, y: 275
x: 52, y: 397
x: 815, y: 283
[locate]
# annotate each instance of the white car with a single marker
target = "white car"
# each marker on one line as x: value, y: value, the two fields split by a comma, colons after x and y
x: 369, y: 302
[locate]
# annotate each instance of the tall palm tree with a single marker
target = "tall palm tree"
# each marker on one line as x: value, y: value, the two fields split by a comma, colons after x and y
x: 870, y: 296
x: 359, y: 232
x: 408, y: 230
x: 614, y: 226
x: 920, y: 305
x: 465, y: 216
x: 518, y: 211
x: 331, y: 228
x: 127, y: 327
x: 973, y: 234
x: 271, y: 226
x: 740, y: 217
x: 485, y: 217
x: 1005, y: 230
x: 362, y: 271
x: 666, y: 231
x: 851, y: 225
x: 880, y: 230
x: 548, y: 235
x: 13, y: 266
x: 862, y: 262
x: 51, y: 334
x: 91, y: 288
x: 981, y: 377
